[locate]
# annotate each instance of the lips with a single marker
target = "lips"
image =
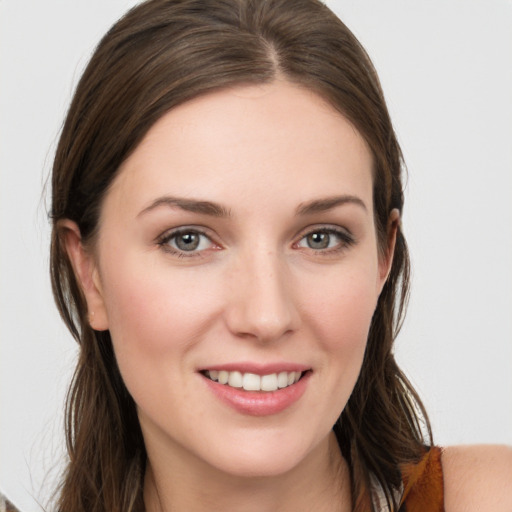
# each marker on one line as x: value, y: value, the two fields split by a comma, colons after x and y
x: 258, y: 391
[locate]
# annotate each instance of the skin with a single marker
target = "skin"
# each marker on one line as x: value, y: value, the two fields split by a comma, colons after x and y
x: 254, y: 290
x: 478, y: 478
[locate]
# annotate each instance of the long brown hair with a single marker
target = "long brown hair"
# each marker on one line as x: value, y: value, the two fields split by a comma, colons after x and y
x: 159, y: 55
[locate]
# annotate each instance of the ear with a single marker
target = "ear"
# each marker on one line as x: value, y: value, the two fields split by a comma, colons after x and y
x: 86, y: 272
x: 386, y: 258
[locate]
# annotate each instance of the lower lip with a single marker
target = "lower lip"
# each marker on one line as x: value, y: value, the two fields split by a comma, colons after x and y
x: 259, y: 403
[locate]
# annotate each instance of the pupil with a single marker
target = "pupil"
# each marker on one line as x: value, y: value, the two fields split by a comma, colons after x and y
x: 187, y: 241
x: 318, y: 240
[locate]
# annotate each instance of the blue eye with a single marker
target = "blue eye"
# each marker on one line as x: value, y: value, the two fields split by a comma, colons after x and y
x: 185, y: 241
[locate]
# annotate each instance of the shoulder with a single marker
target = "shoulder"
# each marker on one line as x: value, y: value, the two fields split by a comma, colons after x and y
x: 477, y: 478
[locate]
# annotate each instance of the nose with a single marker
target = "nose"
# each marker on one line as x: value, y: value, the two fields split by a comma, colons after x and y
x: 262, y: 303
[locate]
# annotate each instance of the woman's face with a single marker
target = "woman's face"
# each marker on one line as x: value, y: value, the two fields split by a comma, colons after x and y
x: 238, y: 243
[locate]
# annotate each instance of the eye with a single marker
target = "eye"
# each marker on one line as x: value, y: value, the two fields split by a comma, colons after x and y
x: 326, y: 239
x: 184, y: 241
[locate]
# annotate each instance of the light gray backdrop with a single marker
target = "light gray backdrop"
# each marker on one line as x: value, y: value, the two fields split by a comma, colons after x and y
x: 446, y: 70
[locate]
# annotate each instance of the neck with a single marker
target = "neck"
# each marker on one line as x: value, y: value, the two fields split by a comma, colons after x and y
x: 320, y: 483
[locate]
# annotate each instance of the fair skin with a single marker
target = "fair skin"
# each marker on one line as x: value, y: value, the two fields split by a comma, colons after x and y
x: 246, y: 250
x: 478, y: 478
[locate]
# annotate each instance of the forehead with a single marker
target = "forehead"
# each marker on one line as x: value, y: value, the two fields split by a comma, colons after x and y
x: 250, y: 140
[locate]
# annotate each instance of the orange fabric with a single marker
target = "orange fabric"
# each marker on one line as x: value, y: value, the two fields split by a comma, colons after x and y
x: 423, y: 484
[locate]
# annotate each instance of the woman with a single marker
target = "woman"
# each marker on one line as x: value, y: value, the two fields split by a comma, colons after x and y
x: 227, y: 250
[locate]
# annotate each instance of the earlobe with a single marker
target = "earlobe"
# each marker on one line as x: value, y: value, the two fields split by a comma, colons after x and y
x: 86, y: 273
x: 386, y: 259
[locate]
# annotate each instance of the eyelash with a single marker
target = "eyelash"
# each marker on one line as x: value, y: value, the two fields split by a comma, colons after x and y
x: 164, y: 242
x: 345, y: 241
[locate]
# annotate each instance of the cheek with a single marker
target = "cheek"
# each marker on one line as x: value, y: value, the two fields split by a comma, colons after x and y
x: 156, y: 317
x: 155, y: 307
x: 343, y: 309
x: 340, y: 318
x: 337, y: 317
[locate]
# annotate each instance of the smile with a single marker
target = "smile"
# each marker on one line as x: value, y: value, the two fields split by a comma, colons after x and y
x: 269, y: 391
x: 252, y: 381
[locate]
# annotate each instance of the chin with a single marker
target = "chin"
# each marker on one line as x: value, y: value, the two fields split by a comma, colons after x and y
x: 265, y: 458
x: 259, y: 467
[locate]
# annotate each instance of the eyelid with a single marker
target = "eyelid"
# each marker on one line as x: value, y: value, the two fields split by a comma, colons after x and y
x: 346, y: 237
x: 163, y: 241
x: 325, y: 228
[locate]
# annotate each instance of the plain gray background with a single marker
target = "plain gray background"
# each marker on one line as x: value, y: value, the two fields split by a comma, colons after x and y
x: 446, y: 69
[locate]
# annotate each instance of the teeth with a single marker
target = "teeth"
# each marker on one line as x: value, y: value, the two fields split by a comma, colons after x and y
x: 282, y: 379
x: 253, y: 382
x: 235, y: 379
x: 269, y: 382
x: 223, y: 377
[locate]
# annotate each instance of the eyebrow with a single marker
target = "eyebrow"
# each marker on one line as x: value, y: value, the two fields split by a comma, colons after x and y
x: 189, y: 205
x: 217, y: 210
x: 328, y: 203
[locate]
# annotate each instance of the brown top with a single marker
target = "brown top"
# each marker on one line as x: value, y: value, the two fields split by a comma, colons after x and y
x: 423, y: 484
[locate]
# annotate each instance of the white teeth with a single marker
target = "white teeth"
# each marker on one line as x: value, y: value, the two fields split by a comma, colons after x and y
x: 254, y: 382
x: 235, y: 379
x: 251, y: 382
x: 269, y: 382
x: 282, y: 380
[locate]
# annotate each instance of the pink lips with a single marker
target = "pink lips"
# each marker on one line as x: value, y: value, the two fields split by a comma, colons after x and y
x: 259, y: 403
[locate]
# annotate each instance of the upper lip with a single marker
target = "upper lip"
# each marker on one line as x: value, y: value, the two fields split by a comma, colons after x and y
x: 258, y: 368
